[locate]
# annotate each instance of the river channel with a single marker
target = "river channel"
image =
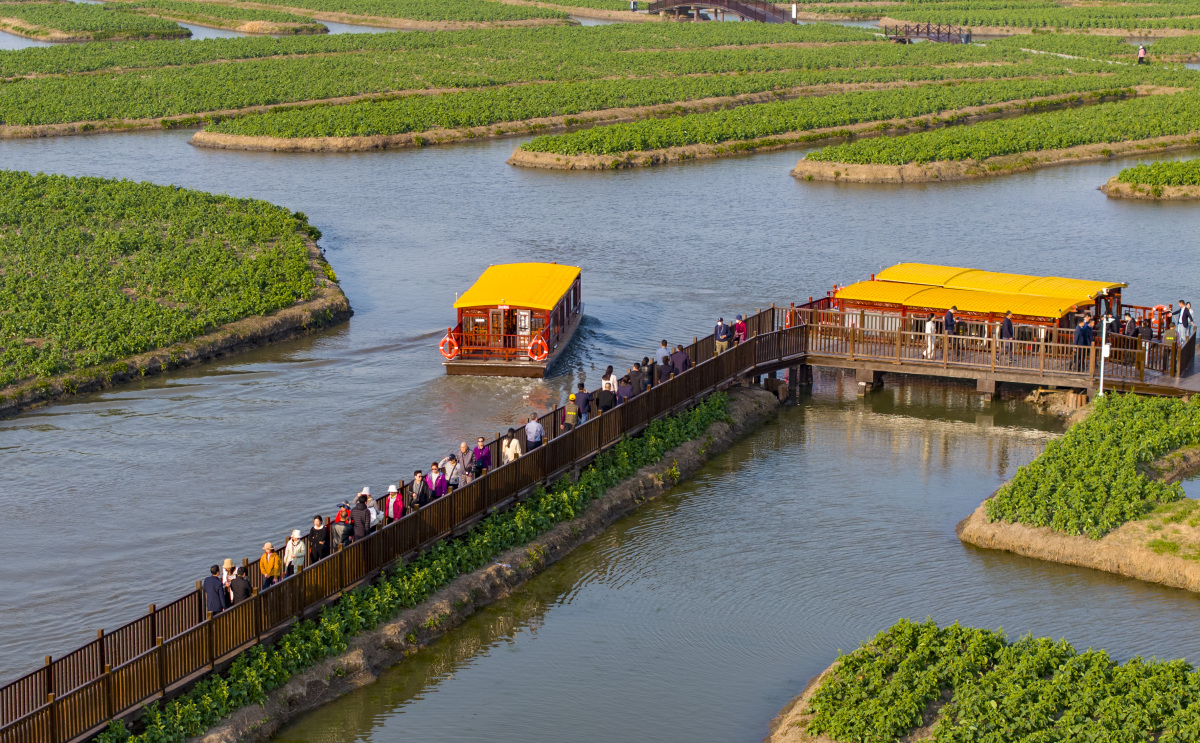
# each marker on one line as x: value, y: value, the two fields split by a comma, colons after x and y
x: 697, y: 618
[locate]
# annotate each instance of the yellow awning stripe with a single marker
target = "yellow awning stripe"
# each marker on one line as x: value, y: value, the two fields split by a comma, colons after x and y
x: 535, y: 286
x: 936, y: 298
x: 951, y: 277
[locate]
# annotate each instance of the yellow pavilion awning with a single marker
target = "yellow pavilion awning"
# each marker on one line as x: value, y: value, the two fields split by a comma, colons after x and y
x: 1079, y: 291
x: 535, y: 286
x: 937, y: 298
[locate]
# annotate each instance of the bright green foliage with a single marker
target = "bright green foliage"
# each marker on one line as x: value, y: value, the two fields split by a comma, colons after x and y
x: 90, y: 21
x: 1174, y: 173
x: 211, y: 87
x: 1087, y: 481
x: 215, y: 14
x: 418, y: 113
x: 93, y: 270
x: 599, y: 4
x: 1141, y: 118
x: 765, y: 119
x: 1177, y: 45
x: 426, y: 10
x: 1038, y: 14
x: 259, y: 670
x: 1077, y: 45
x: 1029, y: 691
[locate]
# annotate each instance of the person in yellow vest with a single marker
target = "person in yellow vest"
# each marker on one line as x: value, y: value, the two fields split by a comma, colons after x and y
x: 570, y: 414
x: 270, y: 566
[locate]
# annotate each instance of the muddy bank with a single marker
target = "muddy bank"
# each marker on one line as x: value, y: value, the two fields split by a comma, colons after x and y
x: 328, y: 306
x: 1137, y: 549
x: 825, y: 135
x: 955, y: 170
x: 544, y: 125
x: 371, y: 652
x: 1117, y: 190
x: 789, y: 726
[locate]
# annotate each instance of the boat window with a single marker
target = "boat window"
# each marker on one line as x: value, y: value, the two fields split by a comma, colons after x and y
x: 522, y: 322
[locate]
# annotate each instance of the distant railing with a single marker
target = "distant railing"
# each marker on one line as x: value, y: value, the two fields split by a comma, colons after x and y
x: 945, y: 34
x: 755, y: 10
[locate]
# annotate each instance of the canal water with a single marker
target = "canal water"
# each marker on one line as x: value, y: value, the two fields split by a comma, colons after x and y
x: 697, y: 618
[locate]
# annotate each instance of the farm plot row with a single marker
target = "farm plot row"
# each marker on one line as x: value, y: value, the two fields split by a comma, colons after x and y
x: 766, y: 119
x: 1051, y: 15
x: 93, y: 270
x: 67, y: 20
x: 1034, y: 689
x: 216, y: 87
x: 1089, y: 481
x: 228, y: 16
x: 1124, y: 121
x: 418, y: 113
x: 1170, y: 173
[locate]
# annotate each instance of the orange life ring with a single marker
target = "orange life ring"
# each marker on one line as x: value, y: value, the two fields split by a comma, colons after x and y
x: 542, y: 350
x: 1159, y: 311
x: 448, y: 347
x: 787, y: 318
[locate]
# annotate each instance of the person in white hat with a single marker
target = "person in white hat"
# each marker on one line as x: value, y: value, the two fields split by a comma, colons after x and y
x: 293, y: 553
x: 393, y: 506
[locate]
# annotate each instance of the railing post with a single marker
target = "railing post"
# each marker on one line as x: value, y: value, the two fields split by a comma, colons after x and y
x: 49, y: 690
x: 1041, y: 357
x: 853, y: 333
x: 1091, y: 362
x: 256, y: 599
x: 993, y: 340
x: 899, y: 338
x: 53, y: 718
x: 211, y: 639
x: 109, y: 710
x: 162, y: 665
x: 153, y: 623
x: 200, y: 605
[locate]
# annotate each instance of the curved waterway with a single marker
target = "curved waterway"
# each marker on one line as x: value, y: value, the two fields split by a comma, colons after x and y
x: 148, y: 485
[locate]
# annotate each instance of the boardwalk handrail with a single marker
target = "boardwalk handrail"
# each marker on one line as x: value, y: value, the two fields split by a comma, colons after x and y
x: 171, y: 646
x: 755, y: 10
x: 945, y: 34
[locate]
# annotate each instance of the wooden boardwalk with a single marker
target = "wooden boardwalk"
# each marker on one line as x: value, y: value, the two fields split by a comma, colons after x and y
x: 164, y: 652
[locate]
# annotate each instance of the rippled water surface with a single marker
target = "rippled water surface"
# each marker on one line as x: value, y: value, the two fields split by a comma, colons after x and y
x: 699, y: 617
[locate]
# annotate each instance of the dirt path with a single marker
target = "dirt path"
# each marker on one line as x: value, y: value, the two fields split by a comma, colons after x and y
x: 785, y: 140
x: 1117, y: 190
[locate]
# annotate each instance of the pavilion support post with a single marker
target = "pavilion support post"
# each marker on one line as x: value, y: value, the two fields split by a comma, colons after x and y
x: 869, y: 380
x: 986, y: 388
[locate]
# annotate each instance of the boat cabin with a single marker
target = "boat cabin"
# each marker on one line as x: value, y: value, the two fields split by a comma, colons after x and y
x: 515, y: 320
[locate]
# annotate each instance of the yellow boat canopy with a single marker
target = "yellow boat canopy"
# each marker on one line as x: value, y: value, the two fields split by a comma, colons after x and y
x: 1079, y: 291
x: 535, y: 286
x: 916, y: 296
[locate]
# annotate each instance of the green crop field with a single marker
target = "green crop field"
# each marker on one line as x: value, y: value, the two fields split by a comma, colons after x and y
x: 426, y: 10
x: 1088, y: 481
x: 1141, y: 118
x: 1033, y: 690
x: 217, y: 14
x: 86, y: 21
x: 1174, y: 173
x: 94, y: 270
x: 766, y: 119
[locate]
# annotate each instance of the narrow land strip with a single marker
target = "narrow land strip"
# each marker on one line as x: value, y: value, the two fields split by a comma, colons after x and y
x: 1118, y: 190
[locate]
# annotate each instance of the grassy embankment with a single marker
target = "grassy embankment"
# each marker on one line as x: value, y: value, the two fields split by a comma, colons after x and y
x: 103, y: 281
x: 1106, y: 495
x: 916, y: 681
x: 66, y: 21
x: 219, y: 15
x: 1160, y: 181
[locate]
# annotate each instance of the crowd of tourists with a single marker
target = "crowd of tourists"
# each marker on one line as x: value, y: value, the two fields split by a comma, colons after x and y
x: 229, y: 584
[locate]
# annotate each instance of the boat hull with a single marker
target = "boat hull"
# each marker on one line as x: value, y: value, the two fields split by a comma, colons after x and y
x: 524, y: 367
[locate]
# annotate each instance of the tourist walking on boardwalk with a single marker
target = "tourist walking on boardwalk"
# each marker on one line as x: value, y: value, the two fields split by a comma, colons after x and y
x: 570, y: 414
x: 534, y: 433
x: 583, y: 399
x: 483, y: 457
x: 360, y: 518
x: 293, y: 553
x: 452, y: 471
x: 637, y: 379
x: 624, y: 389
x: 1141, y: 54
x: 318, y: 540
x: 722, y: 334
x: 662, y: 354
x: 930, y: 336
x: 421, y: 494
x: 665, y: 371
x: 739, y: 330
x: 1006, y: 334
x: 512, y: 447
x: 437, y: 481
x: 393, y: 505
x: 270, y: 567
x: 609, y: 378
x: 215, y: 599
x: 950, y: 324
x: 466, y: 460
x: 680, y: 361
x: 606, y: 398
x: 1082, y: 340
x: 341, y: 525
x: 239, y: 587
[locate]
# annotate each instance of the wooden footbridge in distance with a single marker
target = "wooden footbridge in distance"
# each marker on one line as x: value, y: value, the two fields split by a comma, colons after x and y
x: 907, y: 33
x: 748, y: 10
x: 163, y: 653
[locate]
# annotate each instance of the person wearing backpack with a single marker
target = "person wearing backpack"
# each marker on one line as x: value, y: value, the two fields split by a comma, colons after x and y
x: 341, y: 525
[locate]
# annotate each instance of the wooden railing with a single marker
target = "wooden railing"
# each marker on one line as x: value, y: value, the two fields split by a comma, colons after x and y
x: 755, y: 10
x: 945, y: 34
x: 160, y: 653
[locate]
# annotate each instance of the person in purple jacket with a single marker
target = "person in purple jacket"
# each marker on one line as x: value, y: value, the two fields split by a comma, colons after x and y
x: 437, y: 481
x: 483, y: 457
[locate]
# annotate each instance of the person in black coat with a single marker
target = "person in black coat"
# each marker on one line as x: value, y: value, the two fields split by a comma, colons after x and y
x: 1082, y: 339
x: 420, y: 495
x: 362, y: 518
x: 1006, y: 335
x: 680, y: 361
x: 318, y: 540
x: 215, y: 599
x: 240, y: 587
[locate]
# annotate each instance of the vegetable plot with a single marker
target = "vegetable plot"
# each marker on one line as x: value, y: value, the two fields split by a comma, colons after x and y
x: 94, y: 270
x: 217, y: 14
x: 1088, y: 482
x: 83, y: 21
x: 1029, y: 691
x: 1176, y: 173
x: 1141, y: 118
x: 767, y: 119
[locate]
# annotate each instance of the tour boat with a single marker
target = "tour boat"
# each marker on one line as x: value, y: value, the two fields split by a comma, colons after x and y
x: 515, y: 321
